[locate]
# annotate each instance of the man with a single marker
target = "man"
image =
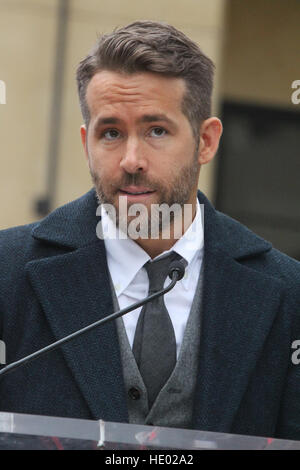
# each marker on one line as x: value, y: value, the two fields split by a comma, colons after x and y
x: 222, y: 360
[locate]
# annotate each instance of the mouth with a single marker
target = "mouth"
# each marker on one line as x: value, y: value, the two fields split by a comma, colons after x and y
x: 136, y: 192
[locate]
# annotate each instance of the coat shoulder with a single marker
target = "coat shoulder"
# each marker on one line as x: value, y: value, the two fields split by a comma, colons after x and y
x: 14, y: 242
x: 15, y: 245
x: 270, y: 260
x: 64, y: 228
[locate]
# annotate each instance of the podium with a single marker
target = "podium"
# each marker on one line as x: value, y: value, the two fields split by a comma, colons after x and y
x: 21, y: 431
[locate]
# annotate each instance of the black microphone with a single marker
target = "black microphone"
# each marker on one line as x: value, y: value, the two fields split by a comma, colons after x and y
x: 176, y: 272
x: 177, y: 267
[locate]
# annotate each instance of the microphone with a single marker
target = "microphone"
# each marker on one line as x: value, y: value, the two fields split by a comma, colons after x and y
x: 176, y: 272
x: 177, y: 267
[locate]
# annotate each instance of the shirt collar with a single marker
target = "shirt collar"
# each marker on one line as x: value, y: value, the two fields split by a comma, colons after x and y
x: 125, y: 257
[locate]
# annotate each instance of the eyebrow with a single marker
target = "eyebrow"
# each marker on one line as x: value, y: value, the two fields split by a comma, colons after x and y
x: 102, y: 121
x: 156, y: 117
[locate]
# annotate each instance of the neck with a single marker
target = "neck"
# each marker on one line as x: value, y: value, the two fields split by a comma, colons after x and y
x: 178, y: 227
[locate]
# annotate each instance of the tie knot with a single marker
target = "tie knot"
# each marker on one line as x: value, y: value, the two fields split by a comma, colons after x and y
x: 158, y: 270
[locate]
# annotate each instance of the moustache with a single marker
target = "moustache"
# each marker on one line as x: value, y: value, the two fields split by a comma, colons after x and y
x: 135, y: 180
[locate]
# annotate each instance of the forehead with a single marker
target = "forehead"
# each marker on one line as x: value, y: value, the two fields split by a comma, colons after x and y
x: 114, y: 91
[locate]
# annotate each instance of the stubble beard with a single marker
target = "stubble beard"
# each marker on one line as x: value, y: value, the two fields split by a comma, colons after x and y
x: 178, y: 193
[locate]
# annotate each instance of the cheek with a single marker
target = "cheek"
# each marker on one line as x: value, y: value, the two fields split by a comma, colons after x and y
x: 96, y: 156
x: 105, y: 168
x: 174, y: 161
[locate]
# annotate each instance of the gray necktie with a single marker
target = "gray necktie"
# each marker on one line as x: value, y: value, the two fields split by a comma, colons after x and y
x: 154, y: 345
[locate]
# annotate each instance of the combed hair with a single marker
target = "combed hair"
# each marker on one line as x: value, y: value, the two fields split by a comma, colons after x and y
x: 148, y: 46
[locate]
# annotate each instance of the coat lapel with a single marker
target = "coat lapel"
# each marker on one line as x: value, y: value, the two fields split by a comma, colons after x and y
x: 239, y: 305
x: 73, y: 289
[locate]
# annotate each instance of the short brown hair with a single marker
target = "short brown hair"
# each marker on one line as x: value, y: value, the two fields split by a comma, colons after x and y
x: 148, y: 46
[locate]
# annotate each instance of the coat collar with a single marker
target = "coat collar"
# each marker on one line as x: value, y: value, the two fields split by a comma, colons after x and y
x: 74, y: 225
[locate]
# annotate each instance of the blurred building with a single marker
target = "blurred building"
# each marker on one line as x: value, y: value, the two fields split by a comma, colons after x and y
x: 255, y: 46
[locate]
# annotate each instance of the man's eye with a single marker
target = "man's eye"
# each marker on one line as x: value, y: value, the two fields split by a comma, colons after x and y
x: 158, y: 132
x: 111, y: 134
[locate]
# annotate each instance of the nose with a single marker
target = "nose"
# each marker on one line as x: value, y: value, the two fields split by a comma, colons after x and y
x: 133, y: 160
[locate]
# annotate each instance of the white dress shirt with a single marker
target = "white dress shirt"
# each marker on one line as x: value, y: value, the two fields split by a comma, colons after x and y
x: 126, y: 259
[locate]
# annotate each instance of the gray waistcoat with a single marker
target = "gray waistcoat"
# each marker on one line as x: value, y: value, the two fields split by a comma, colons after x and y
x: 173, y: 406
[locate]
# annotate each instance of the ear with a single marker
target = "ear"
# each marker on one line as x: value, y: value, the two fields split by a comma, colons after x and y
x: 210, y: 133
x: 83, y: 133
